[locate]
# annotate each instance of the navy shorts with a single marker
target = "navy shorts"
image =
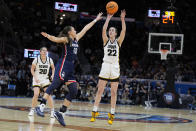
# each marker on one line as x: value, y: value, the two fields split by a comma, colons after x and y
x: 64, y: 72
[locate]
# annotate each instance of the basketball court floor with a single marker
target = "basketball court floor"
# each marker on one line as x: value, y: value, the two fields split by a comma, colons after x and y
x: 14, y: 117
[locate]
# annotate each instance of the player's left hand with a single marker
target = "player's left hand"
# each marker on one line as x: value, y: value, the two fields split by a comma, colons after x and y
x: 44, y: 34
x: 123, y: 13
x: 109, y: 16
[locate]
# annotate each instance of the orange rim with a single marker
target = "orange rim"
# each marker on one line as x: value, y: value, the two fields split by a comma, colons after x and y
x: 164, y: 51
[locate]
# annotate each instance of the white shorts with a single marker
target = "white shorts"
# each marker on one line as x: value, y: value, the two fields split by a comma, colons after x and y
x: 109, y: 71
x: 43, y: 83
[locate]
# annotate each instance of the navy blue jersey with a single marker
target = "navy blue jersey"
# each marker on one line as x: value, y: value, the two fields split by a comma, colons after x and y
x: 65, y: 66
x: 64, y: 69
x: 69, y: 52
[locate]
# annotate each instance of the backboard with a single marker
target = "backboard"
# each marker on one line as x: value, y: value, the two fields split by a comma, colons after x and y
x: 165, y: 41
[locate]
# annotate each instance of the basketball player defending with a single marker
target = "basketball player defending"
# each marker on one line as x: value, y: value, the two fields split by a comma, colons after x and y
x: 64, y: 72
x: 40, y: 70
x: 110, y: 70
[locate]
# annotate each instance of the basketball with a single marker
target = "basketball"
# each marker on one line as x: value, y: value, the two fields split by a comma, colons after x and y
x: 112, y: 7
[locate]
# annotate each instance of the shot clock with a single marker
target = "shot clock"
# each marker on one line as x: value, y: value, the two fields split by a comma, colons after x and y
x: 168, y: 22
x: 168, y: 17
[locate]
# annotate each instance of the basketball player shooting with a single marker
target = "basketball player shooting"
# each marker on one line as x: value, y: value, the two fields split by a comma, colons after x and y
x: 110, y: 70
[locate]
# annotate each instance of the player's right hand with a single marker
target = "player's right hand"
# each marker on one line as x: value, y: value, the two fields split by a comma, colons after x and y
x: 44, y: 34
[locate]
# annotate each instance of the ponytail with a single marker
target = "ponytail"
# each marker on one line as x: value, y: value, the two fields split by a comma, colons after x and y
x: 64, y: 33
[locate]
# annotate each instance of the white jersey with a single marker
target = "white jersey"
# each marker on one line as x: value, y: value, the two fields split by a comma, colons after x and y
x: 42, y: 69
x: 111, y: 52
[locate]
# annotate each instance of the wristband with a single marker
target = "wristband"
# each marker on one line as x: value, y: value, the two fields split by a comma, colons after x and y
x: 95, y: 20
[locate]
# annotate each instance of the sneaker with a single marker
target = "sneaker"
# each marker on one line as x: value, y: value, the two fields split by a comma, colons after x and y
x: 150, y: 105
x: 94, y: 115
x: 110, y: 118
x: 59, y: 117
x: 39, y: 112
x: 146, y: 103
x: 31, y: 119
x: 31, y: 113
x: 52, y: 120
x: 52, y: 114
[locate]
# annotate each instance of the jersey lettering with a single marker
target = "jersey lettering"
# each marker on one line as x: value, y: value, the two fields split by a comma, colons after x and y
x: 111, y: 52
x: 43, y: 71
x: 75, y: 50
x: 43, y: 66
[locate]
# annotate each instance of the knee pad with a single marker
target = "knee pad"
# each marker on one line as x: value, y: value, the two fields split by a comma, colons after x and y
x: 73, y: 90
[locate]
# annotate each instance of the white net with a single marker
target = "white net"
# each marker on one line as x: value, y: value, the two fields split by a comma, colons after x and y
x: 164, y: 54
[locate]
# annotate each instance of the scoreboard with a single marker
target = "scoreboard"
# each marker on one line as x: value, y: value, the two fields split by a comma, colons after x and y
x: 31, y: 53
x: 165, y: 16
x: 165, y: 19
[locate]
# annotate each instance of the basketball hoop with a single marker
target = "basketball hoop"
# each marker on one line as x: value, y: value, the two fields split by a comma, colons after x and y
x: 164, y: 54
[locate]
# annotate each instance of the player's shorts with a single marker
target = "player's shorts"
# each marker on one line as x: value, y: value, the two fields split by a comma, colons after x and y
x: 110, y: 72
x: 43, y: 83
x: 65, y: 71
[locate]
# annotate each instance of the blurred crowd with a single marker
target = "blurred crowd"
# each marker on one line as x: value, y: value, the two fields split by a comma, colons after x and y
x: 132, y: 90
x: 14, y: 72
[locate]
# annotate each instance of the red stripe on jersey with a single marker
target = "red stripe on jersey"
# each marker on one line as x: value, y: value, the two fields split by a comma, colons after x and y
x: 62, y: 64
x: 71, y: 81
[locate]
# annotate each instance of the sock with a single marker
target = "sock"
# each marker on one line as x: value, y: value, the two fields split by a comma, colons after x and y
x: 112, y: 111
x: 33, y: 108
x: 42, y: 106
x: 52, y: 109
x: 63, y: 109
x: 95, y: 108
